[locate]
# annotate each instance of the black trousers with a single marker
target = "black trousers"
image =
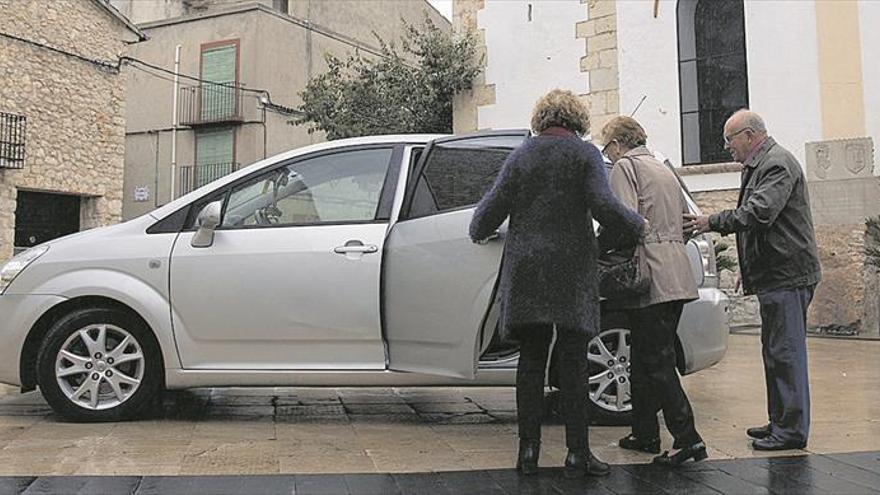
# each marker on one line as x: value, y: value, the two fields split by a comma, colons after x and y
x: 571, y: 348
x: 655, y: 382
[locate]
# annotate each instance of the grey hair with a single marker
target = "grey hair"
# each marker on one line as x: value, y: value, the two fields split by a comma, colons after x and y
x: 751, y: 120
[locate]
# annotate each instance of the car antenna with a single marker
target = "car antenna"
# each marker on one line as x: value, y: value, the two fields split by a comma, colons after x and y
x: 636, y: 109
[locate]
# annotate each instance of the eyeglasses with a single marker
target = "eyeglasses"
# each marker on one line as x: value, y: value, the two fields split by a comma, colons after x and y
x: 605, y: 148
x: 727, y: 139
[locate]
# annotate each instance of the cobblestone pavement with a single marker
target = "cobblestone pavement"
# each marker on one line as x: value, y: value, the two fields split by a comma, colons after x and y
x: 416, y: 430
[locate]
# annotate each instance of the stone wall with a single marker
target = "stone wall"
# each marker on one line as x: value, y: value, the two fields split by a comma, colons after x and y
x: 600, y: 62
x: 74, y: 109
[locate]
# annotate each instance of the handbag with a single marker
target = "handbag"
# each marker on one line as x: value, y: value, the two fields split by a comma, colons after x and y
x: 624, y: 273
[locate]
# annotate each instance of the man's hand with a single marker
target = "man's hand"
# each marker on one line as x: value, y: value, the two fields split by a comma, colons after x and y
x: 695, y: 224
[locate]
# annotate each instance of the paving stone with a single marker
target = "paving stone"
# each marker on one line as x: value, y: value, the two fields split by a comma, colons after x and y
x: 217, y: 485
x: 82, y: 485
x: 377, y: 408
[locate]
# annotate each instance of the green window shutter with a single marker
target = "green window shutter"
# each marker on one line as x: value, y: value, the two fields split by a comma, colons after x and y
x: 214, y: 154
x: 218, y: 66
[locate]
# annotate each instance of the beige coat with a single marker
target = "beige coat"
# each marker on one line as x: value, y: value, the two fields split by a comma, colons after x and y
x: 662, y: 203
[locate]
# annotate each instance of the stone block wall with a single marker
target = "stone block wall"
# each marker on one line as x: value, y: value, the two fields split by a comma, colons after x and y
x: 75, y: 109
x: 599, y: 63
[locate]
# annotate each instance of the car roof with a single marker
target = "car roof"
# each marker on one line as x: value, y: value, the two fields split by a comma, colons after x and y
x: 182, y: 201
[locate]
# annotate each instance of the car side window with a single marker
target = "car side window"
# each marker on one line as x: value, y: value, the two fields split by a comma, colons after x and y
x: 333, y: 188
x: 458, y: 173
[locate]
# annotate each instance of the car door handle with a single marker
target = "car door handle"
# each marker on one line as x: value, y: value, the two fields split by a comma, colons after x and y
x: 355, y: 247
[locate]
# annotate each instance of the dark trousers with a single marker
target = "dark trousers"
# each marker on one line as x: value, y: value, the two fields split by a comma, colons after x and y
x: 571, y: 348
x: 655, y: 382
x: 784, y: 349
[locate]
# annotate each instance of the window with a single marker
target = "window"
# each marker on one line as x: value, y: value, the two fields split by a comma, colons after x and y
x: 12, y: 139
x: 340, y: 187
x: 712, y: 75
x: 458, y: 173
x: 215, y: 155
x: 280, y: 5
x: 219, y: 65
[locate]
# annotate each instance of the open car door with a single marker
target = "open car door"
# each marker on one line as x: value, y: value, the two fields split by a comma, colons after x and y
x: 437, y: 284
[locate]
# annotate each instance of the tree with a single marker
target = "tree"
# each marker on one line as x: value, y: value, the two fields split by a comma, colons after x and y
x: 404, y: 90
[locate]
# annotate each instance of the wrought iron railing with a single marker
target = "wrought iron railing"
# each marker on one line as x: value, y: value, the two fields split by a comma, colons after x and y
x: 191, y: 177
x: 209, y: 103
x: 12, y: 140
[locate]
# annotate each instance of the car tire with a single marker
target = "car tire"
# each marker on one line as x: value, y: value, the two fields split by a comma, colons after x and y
x: 99, y: 364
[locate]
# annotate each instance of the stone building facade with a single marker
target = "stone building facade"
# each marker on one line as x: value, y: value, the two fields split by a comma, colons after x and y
x: 681, y: 67
x: 59, y: 69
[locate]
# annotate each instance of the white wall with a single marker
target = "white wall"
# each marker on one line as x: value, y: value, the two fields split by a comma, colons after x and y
x: 783, y: 70
x: 869, y: 15
x: 526, y: 58
x: 647, y: 51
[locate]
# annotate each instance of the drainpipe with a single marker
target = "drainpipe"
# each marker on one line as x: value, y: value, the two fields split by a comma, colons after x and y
x: 156, y: 174
x: 175, y: 120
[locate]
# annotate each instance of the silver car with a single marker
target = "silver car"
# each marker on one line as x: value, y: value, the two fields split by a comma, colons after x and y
x: 345, y: 263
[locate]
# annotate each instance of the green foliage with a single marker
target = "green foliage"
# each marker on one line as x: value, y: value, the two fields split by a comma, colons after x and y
x: 405, y: 90
x: 872, y: 241
x: 723, y: 260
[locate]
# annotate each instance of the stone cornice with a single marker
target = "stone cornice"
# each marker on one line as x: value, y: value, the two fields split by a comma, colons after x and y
x: 711, y: 168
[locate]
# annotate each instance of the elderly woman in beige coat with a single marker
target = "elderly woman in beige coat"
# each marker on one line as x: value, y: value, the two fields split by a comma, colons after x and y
x: 648, y: 186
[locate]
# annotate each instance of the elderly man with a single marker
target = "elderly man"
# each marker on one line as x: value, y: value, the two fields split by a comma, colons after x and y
x: 778, y: 262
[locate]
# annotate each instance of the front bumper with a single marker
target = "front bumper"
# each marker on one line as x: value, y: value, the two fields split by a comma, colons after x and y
x: 704, y: 329
x: 18, y: 314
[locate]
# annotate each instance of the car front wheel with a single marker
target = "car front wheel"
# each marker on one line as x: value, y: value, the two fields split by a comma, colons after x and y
x: 99, y: 364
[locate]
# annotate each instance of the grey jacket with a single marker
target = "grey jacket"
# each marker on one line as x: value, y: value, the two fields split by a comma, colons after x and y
x: 651, y: 188
x: 551, y: 187
x: 773, y: 224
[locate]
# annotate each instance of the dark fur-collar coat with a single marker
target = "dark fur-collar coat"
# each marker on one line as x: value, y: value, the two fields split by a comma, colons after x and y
x: 551, y: 188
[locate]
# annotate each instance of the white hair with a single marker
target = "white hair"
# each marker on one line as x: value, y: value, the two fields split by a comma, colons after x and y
x: 751, y: 120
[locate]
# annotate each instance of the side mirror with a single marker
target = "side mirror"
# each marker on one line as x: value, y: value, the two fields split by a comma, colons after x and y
x: 208, y: 220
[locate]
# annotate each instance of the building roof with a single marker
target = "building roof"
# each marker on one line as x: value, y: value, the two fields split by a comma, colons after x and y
x: 105, y: 4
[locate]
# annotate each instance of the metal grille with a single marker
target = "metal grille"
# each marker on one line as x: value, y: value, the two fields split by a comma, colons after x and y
x: 12, y: 140
x: 194, y: 177
x: 210, y: 104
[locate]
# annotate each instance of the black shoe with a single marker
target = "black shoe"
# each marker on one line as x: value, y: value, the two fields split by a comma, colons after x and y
x: 771, y: 443
x: 527, y: 462
x: 579, y: 463
x: 632, y: 442
x: 759, y: 431
x: 697, y: 452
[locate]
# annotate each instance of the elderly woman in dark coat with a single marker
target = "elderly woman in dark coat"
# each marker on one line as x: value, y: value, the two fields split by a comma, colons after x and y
x: 551, y: 188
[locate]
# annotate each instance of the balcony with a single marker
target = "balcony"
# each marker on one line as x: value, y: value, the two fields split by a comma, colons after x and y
x: 192, y: 177
x: 210, y: 104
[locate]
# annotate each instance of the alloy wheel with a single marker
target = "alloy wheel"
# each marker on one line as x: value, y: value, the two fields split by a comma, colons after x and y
x: 100, y: 366
x: 608, y: 356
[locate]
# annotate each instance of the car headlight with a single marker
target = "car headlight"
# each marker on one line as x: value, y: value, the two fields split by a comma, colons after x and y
x: 18, y: 263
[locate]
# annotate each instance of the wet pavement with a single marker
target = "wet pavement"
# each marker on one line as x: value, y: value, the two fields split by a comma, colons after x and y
x: 430, y: 433
x: 854, y: 473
